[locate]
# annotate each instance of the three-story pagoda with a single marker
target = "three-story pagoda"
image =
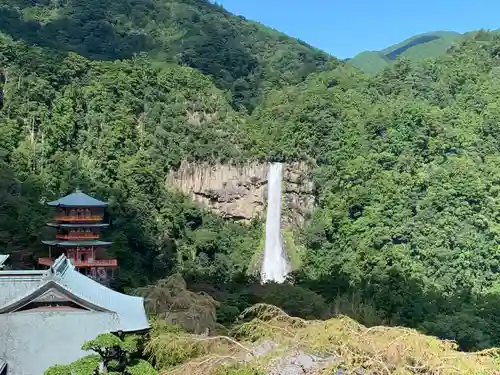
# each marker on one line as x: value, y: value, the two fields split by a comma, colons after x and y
x: 78, y: 222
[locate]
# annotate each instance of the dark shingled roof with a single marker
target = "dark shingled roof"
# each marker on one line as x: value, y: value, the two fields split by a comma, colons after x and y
x: 77, y: 199
x: 79, y: 225
x: 76, y: 243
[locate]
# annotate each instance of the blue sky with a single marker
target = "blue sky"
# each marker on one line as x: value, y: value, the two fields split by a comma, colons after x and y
x: 345, y: 27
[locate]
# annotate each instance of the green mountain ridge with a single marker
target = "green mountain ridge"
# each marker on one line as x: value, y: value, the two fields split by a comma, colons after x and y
x: 242, y: 57
x: 416, y: 48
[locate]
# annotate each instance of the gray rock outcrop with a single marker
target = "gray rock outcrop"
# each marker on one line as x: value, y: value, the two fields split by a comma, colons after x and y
x: 296, y: 362
x: 240, y: 192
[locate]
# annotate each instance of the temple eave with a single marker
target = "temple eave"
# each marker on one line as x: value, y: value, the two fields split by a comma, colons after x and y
x: 77, y: 243
x: 77, y: 199
x: 57, y: 204
x: 77, y: 225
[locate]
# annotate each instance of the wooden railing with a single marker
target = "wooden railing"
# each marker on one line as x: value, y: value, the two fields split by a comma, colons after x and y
x: 78, y: 236
x: 95, y: 263
x: 85, y: 263
x: 79, y: 218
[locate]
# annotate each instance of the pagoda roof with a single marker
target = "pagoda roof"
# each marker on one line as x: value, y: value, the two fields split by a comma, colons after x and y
x: 76, y: 243
x: 98, y: 310
x: 77, y: 199
x: 81, y: 225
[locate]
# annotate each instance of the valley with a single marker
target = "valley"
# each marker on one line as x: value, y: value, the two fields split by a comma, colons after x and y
x: 173, y: 112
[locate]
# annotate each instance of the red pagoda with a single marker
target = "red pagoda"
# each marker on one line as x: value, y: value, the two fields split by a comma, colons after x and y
x: 78, y: 222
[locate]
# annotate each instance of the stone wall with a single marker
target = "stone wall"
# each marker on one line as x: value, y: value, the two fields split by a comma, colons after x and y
x: 240, y: 192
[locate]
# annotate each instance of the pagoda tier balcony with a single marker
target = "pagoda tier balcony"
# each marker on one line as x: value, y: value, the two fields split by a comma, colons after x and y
x: 95, y: 263
x: 79, y: 219
x: 78, y: 236
x: 111, y: 263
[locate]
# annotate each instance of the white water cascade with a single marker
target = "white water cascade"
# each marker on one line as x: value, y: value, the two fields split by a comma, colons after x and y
x: 275, y: 264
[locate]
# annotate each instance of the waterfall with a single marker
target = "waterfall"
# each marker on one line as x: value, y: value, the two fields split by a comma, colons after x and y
x: 275, y: 265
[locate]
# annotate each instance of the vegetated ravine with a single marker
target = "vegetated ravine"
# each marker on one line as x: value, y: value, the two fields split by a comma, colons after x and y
x: 405, y: 163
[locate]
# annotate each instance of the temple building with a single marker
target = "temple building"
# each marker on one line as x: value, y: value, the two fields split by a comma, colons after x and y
x: 46, y: 316
x: 78, y: 221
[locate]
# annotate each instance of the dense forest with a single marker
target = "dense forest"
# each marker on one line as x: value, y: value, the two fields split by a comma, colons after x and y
x: 242, y: 57
x: 111, y: 96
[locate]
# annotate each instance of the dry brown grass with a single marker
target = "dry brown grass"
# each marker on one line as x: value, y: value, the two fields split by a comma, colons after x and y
x: 377, y: 350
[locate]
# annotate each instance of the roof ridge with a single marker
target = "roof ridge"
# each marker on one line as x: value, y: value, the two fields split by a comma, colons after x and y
x: 61, y: 265
x: 58, y: 284
x: 3, y: 365
x: 3, y: 259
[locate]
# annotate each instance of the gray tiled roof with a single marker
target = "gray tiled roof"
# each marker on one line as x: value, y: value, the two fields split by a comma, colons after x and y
x: 77, y: 199
x: 33, y: 340
x: 130, y: 309
x: 14, y: 284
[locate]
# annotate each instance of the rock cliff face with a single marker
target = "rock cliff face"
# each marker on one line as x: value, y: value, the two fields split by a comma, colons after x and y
x: 240, y: 192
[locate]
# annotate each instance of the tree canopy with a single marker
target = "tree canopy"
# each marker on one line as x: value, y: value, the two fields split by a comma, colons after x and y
x: 111, y: 96
x: 114, y: 355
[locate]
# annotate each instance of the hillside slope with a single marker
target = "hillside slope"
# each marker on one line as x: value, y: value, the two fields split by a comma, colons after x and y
x: 406, y: 185
x: 115, y: 129
x: 242, y: 56
x: 272, y: 342
x: 405, y: 163
x: 416, y: 48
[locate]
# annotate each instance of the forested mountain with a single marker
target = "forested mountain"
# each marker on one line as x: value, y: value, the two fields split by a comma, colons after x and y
x: 241, y: 56
x: 416, y: 48
x: 111, y: 96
